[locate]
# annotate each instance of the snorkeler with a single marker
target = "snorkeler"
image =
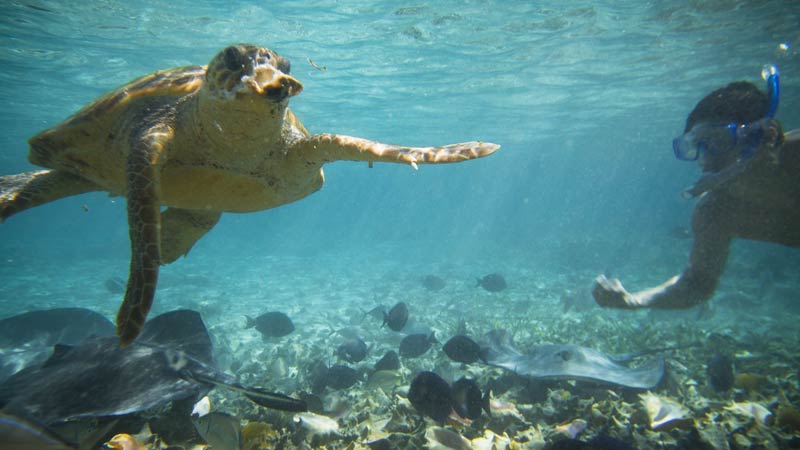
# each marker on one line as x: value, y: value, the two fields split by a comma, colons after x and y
x: 750, y: 189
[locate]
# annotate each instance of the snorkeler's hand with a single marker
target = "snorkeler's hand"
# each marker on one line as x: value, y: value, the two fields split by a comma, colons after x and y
x: 610, y: 293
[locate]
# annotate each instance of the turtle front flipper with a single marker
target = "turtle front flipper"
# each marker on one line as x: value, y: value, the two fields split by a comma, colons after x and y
x: 181, y: 228
x: 334, y: 147
x: 26, y: 190
x: 144, y: 223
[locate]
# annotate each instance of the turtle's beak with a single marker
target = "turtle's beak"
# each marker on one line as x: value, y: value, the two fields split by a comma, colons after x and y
x: 274, y: 84
x: 281, y: 88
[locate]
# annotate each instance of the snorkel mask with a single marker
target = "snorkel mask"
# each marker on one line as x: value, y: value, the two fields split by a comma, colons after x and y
x: 707, y: 138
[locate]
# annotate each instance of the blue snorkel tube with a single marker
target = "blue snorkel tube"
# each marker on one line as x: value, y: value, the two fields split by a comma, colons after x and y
x: 770, y: 73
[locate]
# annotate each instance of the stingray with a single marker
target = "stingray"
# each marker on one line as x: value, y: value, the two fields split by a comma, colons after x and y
x: 172, y: 360
x: 28, y: 338
x: 53, y: 326
x: 571, y: 362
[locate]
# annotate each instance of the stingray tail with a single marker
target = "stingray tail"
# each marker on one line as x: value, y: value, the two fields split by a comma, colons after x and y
x: 249, y: 322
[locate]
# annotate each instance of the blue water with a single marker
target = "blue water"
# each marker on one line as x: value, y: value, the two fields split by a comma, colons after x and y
x: 584, y: 98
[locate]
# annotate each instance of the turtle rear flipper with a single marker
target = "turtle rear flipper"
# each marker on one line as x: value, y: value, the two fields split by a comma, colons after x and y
x: 334, y: 147
x: 144, y: 223
x: 26, y: 190
x: 181, y: 228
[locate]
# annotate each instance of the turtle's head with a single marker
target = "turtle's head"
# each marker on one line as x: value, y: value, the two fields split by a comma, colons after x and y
x: 250, y: 72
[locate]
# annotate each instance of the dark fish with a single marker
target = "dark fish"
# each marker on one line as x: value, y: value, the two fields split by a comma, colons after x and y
x: 463, y: 349
x: 431, y: 396
x: 494, y: 282
x: 720, y: 372
x: 415, y: 345
x: 432, y: 283
x: 115, y: 285
x: 171, y: 360
x: 271, y: 324
x: 352, y: 350
x: 219, y: 430
x: 467, y: 399
x: 397, y: 317
x: 341, y: 377
x: 20, y: 434
x: 390, y: 361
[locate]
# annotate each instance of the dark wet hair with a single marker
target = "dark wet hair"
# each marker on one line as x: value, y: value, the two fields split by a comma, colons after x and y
x: 740, y: 102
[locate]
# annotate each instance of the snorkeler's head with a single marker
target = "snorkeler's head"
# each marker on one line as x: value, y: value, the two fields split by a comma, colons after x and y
x: 725, y: 126
x: 739, y: 102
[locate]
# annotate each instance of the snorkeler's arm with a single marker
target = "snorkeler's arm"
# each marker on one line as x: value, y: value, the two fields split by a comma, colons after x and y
x: 697, y: 282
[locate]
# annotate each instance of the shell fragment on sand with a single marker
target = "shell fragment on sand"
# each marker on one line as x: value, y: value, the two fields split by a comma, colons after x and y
x: 664, y: 413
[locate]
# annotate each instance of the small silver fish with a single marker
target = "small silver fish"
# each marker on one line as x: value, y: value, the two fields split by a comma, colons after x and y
x: 317, y: 424
x: 219, y: 430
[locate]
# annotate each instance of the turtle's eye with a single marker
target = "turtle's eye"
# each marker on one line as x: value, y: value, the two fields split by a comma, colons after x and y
x: 233, y: 59
x: 263, y: 58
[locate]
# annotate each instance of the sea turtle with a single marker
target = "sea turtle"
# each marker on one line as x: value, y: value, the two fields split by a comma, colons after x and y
x: 200, y: 140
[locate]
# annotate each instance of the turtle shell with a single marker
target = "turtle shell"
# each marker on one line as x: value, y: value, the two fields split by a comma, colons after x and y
x: 82, y: 143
